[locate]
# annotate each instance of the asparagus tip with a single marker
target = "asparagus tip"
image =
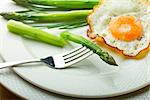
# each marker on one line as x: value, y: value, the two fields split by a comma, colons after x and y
x: 112, y: 62
x: 115, y: 64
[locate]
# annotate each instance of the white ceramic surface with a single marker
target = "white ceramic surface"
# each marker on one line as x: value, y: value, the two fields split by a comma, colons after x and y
x: 90, y: 78
x: 15, y: 84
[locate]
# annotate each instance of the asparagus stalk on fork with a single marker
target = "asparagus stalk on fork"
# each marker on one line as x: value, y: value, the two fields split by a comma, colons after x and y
x: 87, y: 43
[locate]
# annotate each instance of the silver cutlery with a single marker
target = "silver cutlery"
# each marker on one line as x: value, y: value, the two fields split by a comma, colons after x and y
x: 57, y: 61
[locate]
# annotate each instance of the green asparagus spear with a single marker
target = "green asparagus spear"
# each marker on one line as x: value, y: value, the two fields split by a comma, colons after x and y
x: 71, y: 4
x: 63, y: 25
x: 69, y: 16
x: 95, y: 48
x: 35, y: 7
x: 34, y: 33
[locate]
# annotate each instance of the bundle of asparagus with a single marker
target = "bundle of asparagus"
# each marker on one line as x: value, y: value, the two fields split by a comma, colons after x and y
x: 63, y: 20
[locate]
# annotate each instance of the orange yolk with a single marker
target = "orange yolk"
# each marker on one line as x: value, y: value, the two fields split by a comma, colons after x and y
x: 126, y: 28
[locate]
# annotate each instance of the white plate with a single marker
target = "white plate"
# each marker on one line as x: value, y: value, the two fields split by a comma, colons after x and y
x: 20, y: 87
x: 25, y: 90
x: 91, y: 78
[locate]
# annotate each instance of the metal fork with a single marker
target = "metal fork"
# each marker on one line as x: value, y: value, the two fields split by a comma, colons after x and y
x: 57, y: 61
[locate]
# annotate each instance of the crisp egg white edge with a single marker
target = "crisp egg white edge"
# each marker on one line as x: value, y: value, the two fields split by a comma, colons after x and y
x: 128, y: 48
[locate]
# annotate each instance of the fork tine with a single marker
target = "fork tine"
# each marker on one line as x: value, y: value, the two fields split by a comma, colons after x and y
x: 71, y: 57
x: 72, y: 51
x: 79, y: 59
x: 75, y: 53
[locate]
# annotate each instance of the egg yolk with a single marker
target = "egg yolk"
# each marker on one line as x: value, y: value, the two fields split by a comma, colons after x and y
x: 126, y: 28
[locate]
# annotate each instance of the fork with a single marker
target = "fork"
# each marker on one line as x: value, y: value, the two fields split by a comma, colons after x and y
x: 58, y: 61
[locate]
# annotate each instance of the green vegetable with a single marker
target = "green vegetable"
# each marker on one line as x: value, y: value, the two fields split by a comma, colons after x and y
x: 63, y: 25
x: 34, y: 33
x: 35, y: 7
x: 61, y: 20
x: 69, y: 16
x: 95, y: 48
x: 71, y: 4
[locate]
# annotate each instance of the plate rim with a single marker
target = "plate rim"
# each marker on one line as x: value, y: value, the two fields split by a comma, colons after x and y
x: 14, y: 92
x: 2, y: 60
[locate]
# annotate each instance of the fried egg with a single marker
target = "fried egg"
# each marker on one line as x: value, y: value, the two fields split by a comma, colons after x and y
x: 123, y: 24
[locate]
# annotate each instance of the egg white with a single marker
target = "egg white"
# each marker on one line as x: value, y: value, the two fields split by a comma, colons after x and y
x: 111, y: 9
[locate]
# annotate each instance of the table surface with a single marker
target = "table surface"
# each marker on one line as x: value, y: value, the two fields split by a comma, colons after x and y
x: 6, y: 95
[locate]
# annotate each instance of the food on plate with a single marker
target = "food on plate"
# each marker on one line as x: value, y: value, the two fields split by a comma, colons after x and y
x: 39, y: 35
x: 63, y: 20
x: 62, y: 4
x: 70, y: 19
x: 122, y: 26
x: 38, y: 11
x: 87, y: 43
x: 34, y: 33
x: 75, y: 15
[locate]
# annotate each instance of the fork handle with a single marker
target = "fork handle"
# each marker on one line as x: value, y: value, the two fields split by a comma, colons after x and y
x: 16, y: 63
